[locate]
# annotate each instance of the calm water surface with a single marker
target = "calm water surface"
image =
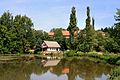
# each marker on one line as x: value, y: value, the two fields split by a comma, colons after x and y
x: 65, y: 70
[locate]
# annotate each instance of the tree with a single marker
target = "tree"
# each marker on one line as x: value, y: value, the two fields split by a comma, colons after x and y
x: 88, y: 20
x: 117, y: 17
x: 90, y: 40
x: 72, y: 27
x: 73, y: 21
x: 6, y: 22
x: 24, y: 35
x: 59, y: 37
x: 112, y: 43
x: 4, y: 36
x: 93, y: 23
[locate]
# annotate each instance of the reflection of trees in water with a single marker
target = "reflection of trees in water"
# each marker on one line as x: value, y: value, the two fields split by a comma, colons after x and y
x: 20, y: 71
x: 86, y: 69
x: 83, y: 68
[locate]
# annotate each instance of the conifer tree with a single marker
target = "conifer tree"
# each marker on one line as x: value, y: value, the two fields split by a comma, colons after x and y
x: 73, y: 21
x: 72, y: 27
x: 90, y: 33
x: 88, y: 20
x: 93, y: 23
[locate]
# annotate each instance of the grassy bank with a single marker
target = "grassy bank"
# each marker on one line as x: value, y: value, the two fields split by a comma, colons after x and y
x: 110, y: 58
x: 8, y: 58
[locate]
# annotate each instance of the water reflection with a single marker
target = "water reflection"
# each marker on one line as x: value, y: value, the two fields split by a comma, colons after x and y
x: 65, y: 70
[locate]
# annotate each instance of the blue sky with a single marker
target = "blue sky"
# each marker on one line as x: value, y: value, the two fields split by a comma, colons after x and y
x: 48, y: 14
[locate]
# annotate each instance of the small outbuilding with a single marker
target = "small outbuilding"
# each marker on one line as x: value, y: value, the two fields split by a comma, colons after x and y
x: 50, y: 46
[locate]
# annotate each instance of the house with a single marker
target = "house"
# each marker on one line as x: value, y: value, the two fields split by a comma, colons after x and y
x: 51, y: 33
x: 50, y: 46
x: 66, y: 34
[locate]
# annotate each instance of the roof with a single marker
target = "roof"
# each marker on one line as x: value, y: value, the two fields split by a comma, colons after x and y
x: 51, y: 33
x: 65, y: 33
x: 52, y: 44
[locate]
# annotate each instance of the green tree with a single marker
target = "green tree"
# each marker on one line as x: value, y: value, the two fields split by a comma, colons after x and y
x: 112, y: 43
x: 90, y: 40
x: 6, y: 22
x: 73, y: 22
x: 24, y: 36
x: 117, y: 16
x: 72, y: 27
x: 59, y: 37
x: 93, y: 23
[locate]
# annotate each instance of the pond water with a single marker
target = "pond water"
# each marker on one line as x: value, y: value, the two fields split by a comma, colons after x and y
x: 65, y: 70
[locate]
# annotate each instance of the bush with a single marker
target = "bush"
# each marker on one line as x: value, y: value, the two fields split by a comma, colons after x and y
x: 118, y: 62
x: 69, y: 53
x: 79, y: 53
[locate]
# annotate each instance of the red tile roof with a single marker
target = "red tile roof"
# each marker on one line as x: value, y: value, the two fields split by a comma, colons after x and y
x: 51, y: 33
x: 65, y: 33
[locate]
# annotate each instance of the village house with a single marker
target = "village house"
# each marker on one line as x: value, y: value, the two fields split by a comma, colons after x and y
x: 50, y: 46
x: 66, y: 34
x: 51, y: 33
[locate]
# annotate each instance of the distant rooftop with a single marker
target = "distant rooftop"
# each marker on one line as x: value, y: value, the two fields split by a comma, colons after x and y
x: 65, y: 33
x: 51, y: 33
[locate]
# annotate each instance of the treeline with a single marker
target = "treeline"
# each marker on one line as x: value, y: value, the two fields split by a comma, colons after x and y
x: 89, y: 39
x: 17, y: 35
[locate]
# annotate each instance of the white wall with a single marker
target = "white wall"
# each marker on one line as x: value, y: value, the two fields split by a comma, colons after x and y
x: 52, y: 49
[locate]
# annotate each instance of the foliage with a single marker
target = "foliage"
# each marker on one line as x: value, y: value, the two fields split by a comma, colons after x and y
x: 17, y: 34
x: 72, y: 28
x: 113, y: 43
x: 110, y: 58
x: 115, y: 74
x: 118, y: 62
x: 73, y: 21
x: 69, y: 53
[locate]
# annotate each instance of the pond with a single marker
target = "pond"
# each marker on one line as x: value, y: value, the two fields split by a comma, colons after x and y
x: 64, y: 70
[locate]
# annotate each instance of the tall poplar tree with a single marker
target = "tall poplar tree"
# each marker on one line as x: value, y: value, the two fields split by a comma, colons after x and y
x: 90, y: 33
x: 72, y: 27
x: 93, y: 23
x: 88, y: 20
x: 73, y: 22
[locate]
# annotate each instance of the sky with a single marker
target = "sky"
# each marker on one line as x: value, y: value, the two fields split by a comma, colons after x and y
x: 48, y: 14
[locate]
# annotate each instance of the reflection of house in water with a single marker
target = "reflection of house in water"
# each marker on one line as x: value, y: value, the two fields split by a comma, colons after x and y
x: 51, y: 63
x: 65, y: 70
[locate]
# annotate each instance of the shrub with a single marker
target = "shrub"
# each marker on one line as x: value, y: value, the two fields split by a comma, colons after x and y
x: 79, y: 53
x: 69, y: 53
x: 118, y: 62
